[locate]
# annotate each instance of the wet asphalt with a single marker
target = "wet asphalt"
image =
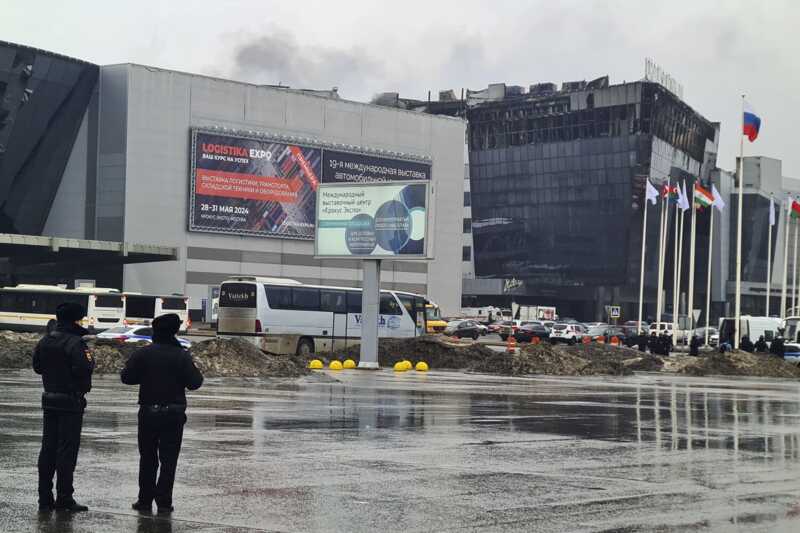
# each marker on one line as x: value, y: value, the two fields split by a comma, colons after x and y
x: 443, y: 451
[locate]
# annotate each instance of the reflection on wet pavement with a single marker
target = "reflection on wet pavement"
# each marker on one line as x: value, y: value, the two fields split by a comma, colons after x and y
x: 436, y: 452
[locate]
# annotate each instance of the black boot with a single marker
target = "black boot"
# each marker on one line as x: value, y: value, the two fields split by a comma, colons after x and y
x: 167, y: 509
x: 71, y: 506
x: 45, y: 507
x: 142, y: 507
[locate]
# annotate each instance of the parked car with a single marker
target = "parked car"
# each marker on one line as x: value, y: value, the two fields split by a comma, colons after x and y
x: 713, y: 335
x: 569, y: 333
x: 135, y: 334
x: 528, y: 331
x: 463, y: 328
x: 631, y: 327
x: 508, y: 328
x: 590, y: 325
x: 496, y: 326
x: 483, y: 329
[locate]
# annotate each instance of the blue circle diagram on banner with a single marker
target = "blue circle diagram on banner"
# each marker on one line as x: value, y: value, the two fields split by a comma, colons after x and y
x: 413, y: 196
x: 360, y: 235
x: 392, y: 226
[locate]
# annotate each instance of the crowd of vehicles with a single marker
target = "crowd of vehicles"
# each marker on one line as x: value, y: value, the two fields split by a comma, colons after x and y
x: 135, y: 334
x: 28, y: 307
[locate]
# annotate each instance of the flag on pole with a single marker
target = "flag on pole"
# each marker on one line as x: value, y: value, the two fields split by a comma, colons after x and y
x: 795, y: 208
x: 751, y: 123
x: 771, y: 211
x: 651, y: 193
x: 683, y: 198
x: 719, y: 203
x: 702, y: 197
x: 670, y: 192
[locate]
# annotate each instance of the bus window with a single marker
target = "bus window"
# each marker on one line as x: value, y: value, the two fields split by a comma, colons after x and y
x: 139, y: 306
x: 278, y: 297
x: 173, y: 304
x: 389, y: 305
x: 333, y: 301
x: 237, y: 295
x: 305, y: 299
x: 353, y: 301
x: 408, y: 303
x: 108, y: 300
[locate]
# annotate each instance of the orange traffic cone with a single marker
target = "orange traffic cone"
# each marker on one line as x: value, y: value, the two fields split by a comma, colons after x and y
x: 614, y: 341
x: 511, y: 344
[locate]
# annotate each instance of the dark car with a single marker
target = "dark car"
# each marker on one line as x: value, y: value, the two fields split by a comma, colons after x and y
x: 527, y: 332
x: 609, y: 332
x: 463, y: 328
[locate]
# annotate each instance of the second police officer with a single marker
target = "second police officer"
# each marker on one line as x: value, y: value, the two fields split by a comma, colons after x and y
x: 163, y: 371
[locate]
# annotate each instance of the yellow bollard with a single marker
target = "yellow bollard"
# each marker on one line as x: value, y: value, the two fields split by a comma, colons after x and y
x: 409, y: 365
x: 335, y: 365
x: 400, y: 366
x: 422, y: 366
x: 348, y: 364
x: 315, y: 364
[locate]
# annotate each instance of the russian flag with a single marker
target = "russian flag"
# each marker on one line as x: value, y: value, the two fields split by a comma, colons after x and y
x: 751, y: 123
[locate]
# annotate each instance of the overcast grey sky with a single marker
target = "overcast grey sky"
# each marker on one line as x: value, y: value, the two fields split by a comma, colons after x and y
x: 717, y: 50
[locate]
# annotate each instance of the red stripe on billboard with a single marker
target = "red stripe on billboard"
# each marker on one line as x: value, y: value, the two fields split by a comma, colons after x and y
x: 247, y: 186
x: 297, y: 154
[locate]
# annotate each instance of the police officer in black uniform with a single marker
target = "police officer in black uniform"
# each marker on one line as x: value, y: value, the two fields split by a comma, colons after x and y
x: 163, y: 371
x: 761, y: 345
x: 66, y: 366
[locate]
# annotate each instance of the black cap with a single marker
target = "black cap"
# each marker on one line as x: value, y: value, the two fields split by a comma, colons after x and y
x: 69, y: 312
x: 168, y: 324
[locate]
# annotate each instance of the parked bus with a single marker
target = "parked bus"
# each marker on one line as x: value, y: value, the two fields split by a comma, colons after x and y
x: 33, y: 307
x: 141, y: 309
x: 322, y: 317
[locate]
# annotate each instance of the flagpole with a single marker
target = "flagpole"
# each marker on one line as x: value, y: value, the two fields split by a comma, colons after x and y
x: 739, y: 234
x: 676, y: 319
x: 769, y: 249
x: 675, y: 284
x: 708, y: 281
x: 661, y: 253
x: 641, y: 270
x: 689, y: 310
x: 794, y: 270
x: 785, y: 258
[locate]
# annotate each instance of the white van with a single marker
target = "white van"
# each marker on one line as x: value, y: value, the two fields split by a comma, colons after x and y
x: 752, y: 326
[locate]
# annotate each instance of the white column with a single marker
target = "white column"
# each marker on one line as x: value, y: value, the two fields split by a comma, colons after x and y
x: 370, y: 298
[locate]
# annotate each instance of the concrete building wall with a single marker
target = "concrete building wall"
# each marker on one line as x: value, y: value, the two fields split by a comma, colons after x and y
x: 67, y: 217
x: 162, y: 106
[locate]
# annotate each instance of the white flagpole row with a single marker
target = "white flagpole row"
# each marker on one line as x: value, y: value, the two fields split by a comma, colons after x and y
x: 661, y: 253
x: 675, y: 275
x: 769, y: 252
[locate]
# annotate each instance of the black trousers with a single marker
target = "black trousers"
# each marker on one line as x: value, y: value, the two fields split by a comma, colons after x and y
x: 61, y: 438
x: 160, y: 437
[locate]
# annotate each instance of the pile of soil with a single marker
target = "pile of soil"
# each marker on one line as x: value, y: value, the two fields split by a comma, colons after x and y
x: 437, y: 351
x: 214, y: 358
x: 559, y: 360
x: 734, y: 363
x: 16, y: 349
x: 235, y: 357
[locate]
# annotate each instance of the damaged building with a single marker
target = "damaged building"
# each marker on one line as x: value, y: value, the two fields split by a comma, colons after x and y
x: 557, y: 179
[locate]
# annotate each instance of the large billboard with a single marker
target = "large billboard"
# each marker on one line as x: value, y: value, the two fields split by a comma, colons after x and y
x: 253, y: 187
x: 262, y: 187
x: 372, y: 220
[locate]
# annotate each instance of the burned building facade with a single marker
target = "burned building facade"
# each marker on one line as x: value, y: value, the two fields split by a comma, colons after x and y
x: 557, y: 182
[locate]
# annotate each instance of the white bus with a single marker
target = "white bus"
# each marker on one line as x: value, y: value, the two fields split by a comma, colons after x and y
x: 141, y: 309
x: 322, y: 317
x: 33, y: 307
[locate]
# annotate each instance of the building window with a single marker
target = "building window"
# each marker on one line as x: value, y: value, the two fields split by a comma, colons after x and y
x: 467, y: 225
x: 466, y: 253
x: 467, y: 199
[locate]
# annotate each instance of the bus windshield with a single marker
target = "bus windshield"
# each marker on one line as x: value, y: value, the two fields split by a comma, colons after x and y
x: 432, y: 312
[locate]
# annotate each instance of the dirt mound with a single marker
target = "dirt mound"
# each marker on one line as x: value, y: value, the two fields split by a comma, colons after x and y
x: 434, y: 350
x: 532, y: 359
x: 735, y: 363
x: 214, y: 358
x: 16, y: 349
x: 235, y: 357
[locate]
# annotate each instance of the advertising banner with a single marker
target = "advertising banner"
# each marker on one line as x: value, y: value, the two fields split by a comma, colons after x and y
x: 253, y: 187
x: 260, y: 187
x: 346, y: 167
x: 372, y: 220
